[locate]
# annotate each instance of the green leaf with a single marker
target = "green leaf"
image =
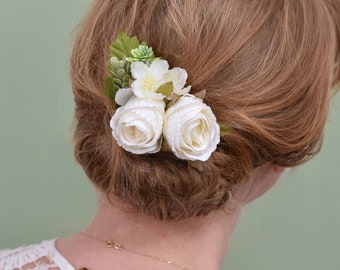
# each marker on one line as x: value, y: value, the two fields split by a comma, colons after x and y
x: 108, y: 88
x: 109, y: 65
x: 120, y: 48
x: 224, y: 130
x: 201, y: 94
x: 123, y: 44
x: 165, y: 147
x: 166, y: 89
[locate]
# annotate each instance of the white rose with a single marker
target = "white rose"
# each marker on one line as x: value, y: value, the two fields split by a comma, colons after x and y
x: 191, y: 129
x: 137, y: 126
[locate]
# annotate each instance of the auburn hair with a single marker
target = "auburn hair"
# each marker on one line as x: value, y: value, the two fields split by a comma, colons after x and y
x: 267, y: 66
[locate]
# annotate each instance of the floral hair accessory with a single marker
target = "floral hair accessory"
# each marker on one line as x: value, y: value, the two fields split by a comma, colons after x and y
x: 154, y: 108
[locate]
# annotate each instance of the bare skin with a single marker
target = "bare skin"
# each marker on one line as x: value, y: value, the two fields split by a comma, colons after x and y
x: 197, y: 244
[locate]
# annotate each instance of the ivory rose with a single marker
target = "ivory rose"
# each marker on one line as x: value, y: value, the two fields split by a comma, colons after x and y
x: 190, y: 129
x: 137, y: 126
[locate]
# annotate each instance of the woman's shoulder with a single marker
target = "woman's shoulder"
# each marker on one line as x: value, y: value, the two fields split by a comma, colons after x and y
x: 41, y: 256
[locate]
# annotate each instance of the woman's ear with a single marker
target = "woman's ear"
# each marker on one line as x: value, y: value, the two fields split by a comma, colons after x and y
x: 263, y: 179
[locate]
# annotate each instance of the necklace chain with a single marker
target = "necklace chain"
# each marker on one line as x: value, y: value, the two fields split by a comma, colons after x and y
x: 117, y: 246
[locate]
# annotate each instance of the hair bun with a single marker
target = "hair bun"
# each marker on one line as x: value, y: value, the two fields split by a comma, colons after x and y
x: 267, y: 68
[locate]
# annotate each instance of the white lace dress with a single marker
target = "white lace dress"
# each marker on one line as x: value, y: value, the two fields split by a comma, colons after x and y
x: 43, y: 256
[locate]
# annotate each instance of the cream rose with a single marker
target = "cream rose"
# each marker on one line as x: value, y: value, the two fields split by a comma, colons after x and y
x: 137, y: 126
x: 191, y: 130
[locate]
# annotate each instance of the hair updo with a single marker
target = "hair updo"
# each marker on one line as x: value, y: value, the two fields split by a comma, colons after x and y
x: 267, y: 67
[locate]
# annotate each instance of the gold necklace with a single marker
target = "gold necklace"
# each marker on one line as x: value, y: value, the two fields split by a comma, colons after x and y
x: 116, y: 246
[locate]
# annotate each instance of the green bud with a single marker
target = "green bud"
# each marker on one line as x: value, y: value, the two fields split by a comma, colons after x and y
x: 120, y: 73
x: 127, y: 67
x: 142, y: 54
x: 125, y: 85
x: 126, y: 78
x: 115, y: 87
x: 116, y: 81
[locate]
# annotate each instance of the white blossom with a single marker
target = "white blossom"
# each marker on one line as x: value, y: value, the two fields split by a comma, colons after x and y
x: 148, y: 78
x: 178, y: 76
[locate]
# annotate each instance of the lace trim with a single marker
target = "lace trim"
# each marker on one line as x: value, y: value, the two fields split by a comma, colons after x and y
x: 42, y: 256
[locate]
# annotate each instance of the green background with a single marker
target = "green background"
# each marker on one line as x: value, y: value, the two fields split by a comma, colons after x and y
x: 44, y: 193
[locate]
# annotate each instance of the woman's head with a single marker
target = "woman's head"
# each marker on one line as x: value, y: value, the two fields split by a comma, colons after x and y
x: 267, y: 68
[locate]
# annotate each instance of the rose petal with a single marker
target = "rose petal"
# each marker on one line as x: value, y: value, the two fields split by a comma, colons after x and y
x: 123, y: 95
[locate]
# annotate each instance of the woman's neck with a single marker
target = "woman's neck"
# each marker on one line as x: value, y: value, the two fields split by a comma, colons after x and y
x: 198, y: 243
